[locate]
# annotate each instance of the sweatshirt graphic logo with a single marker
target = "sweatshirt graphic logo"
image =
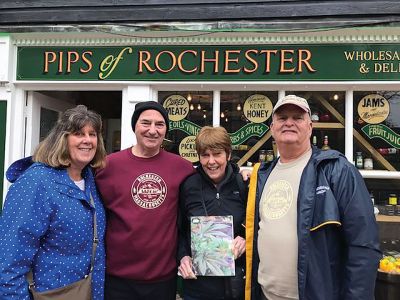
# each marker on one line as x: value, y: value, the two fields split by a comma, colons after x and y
x: 149, y: 191
x: 278, y: 200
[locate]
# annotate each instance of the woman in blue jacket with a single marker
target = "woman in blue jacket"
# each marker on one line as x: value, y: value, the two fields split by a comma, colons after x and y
x: 47, y: 222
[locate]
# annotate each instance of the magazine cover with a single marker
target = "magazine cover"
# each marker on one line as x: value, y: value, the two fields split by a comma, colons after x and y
x: 211, y: 243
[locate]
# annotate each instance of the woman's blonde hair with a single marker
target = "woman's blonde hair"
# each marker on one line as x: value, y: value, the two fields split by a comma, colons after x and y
x: 53, y: 150
x: 213, y: 138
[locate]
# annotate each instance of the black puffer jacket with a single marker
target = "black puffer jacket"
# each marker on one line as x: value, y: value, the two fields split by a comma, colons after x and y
x: 225, y: 199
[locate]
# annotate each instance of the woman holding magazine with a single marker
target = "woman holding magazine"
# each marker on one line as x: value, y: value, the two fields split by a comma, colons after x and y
x: 216, y: 189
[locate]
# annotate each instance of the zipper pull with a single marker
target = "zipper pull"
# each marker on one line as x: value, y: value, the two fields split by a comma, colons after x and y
x: 217, y: 196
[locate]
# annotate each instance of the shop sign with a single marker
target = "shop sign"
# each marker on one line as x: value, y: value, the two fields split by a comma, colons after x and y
x: 213, y: 63
x: 186, y: 126
x: 257, y: 108
x: 373, y: 109
x: 187, y: 149
x: 247, y: 131
x: 237, y: 138
x: 177, y: 107
x: 383, y: 132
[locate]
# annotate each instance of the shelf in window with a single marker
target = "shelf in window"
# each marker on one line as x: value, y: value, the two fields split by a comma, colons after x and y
x: 380, y: 174
x: 327, y: 125
x: 384, y: 218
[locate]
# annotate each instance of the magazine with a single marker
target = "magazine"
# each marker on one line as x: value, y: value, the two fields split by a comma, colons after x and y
x: 211, y: 244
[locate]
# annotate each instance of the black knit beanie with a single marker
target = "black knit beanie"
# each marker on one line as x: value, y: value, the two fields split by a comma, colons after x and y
x: 142, y: 106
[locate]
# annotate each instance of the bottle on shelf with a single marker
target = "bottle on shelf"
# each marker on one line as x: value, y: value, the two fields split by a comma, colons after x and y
x: 325, y: 146
x: 314, y: 141
x: 359, y: 160
x: 392, y: 199
x: 388, y: 151
x: 368, y: 163
x: 371, y: 194
x: 262, y: 156
x: 315, y: 117
x: 270, y: 155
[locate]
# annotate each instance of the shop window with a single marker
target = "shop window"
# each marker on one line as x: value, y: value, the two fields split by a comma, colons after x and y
x: 188, y: 112
x: 377, y: 129
x: 328, y: 116
x: 246, y: 115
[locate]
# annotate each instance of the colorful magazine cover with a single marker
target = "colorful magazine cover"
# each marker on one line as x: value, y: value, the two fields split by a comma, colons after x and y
x: 211, y: 244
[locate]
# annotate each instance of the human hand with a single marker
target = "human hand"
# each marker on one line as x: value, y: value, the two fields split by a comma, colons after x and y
x: 238, y: 246
x: 246, y: 173
x: 186, y: 268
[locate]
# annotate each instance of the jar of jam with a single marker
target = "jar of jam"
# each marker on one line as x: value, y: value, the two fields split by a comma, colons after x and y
x: 368, y: 163
x: 392, y: 199
x: 262, y: 156
x: 270, y: 155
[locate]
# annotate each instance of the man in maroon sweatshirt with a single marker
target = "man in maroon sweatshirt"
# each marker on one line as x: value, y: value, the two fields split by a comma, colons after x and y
x: 140, y: 187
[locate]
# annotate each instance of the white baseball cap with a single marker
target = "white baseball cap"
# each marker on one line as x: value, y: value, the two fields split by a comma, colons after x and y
x: 295, y: 100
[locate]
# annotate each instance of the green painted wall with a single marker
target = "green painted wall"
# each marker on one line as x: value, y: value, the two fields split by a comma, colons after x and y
x: 3, y: 116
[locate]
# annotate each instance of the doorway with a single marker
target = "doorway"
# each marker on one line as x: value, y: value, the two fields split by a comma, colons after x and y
x: 45, y: 106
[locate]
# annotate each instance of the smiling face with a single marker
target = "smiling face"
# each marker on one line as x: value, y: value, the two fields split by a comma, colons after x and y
x: 214, y: 163
x: 150, y: 131
x: 291, y: 128
x: 82, y: 146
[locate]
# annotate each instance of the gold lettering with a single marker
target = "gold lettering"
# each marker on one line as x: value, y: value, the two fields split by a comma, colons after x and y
x: 87, y: 61
x: 285, y: 60
x: 49, y: 58
x: 251, y: 60
x: 60, y: 62
x: 72, y: 57
x: 305, y: 60
x: 268, y: 58
x: 145, y: 61
x: 109, y: 63
x: 204, y: 60
x: 171, y: 54
x: 180, y: 58
x: 229, y: 60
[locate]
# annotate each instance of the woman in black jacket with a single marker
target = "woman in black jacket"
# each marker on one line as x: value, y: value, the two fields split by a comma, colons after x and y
x: 216, y: 189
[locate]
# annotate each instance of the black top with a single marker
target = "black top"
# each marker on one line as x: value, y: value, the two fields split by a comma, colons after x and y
x: 227, y: 198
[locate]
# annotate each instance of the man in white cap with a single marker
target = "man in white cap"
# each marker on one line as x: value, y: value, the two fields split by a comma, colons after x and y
x: 310, y: 229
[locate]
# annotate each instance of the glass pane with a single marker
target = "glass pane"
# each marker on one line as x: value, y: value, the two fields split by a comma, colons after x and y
x: 48, y: 119
x: 246, y: 116
x: 377, y: 122
x: 188, y: 112
x: 328, y: 115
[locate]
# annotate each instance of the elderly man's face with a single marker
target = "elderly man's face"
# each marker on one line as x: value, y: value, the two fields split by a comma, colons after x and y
x: 291, y: 126
x: 150, y: 130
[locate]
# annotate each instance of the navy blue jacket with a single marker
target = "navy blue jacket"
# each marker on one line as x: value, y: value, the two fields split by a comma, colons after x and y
x: 338, y: 244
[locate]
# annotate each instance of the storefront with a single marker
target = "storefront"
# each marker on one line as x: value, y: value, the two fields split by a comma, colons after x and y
x: 351, y: 78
